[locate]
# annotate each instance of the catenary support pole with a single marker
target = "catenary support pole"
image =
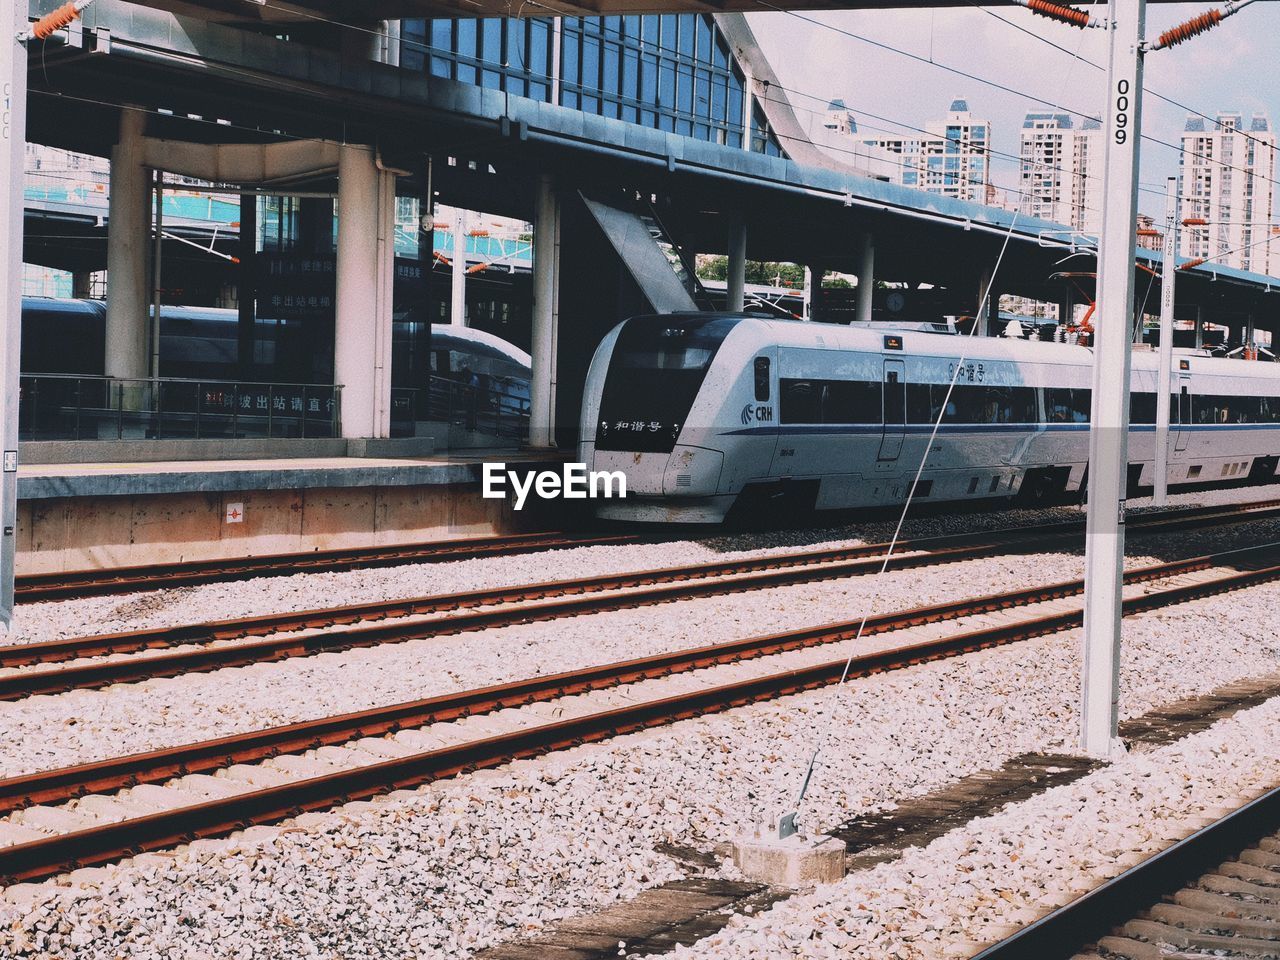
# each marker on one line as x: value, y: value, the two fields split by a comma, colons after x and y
x: 806, y: 304
x: 866, y: 279
x: 736, y: 287
x: 546, y: 282
x: 458, y: 288
x: 13, y: 142
x: 1108, y: 433
x: 1164, y: 374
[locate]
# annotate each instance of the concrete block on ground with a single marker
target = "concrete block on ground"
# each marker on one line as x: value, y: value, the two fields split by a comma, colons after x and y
x: 797, y: 861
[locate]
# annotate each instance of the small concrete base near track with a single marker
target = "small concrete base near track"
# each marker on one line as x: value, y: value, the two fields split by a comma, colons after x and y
x: 793, y: 863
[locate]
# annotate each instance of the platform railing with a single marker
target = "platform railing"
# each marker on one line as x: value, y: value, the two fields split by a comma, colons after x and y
x: 478, y: 408
x: 72, y: 407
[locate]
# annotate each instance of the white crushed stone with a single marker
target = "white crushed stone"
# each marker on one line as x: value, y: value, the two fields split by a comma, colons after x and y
x: 979, y: 883
x: 85, y: 725
x: 458, y: 865
x: 92, y: 615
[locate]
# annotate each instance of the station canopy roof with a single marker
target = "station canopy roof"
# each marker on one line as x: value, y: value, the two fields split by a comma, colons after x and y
x: 363, y: 11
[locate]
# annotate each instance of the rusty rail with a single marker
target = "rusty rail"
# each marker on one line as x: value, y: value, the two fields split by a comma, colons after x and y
x: 518, y: 604
x: 39, y: 587
x: 102, y: 844
x: 32, y: 588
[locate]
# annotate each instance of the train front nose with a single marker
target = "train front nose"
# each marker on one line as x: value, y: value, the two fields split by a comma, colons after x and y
x: 685, y: 472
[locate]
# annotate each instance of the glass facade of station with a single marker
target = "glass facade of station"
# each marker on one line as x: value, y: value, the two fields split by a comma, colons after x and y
x: 671, y: 72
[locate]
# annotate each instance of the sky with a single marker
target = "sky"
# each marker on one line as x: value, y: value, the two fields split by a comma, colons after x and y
x: 818, y: 57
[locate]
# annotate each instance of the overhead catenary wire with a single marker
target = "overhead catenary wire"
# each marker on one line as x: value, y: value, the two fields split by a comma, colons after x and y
x: 995, y: 84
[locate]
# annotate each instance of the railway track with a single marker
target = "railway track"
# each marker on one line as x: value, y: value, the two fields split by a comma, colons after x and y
x: 1215, y: 893
x: 270, y: 775
x: 173, y: 651
x: 35, y: 588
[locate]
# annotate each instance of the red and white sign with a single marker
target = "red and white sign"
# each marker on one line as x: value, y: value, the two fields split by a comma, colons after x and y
x: 235, y: 513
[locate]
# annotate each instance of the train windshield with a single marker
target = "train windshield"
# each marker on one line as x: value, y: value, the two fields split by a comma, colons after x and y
x: 657, y: 366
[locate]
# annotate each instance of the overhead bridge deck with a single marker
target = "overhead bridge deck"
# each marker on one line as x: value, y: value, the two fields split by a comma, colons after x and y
x: 131, y: 54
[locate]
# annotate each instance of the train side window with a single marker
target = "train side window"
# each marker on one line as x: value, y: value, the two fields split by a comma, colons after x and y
x: 1142, y: 408
x: 800, y: 402
x: 1064, y: 405
x: 923, y: 402
x: 851, y: 401
x: 762, y: 378
x: 1184, y: 406
x: 895, y: 406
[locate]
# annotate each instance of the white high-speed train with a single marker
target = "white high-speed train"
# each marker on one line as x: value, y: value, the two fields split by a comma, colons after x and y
x: 701, y: 411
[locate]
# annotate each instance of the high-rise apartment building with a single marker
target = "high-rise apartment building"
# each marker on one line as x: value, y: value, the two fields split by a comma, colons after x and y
x: 1060, y: 175
x: 1226, y: 179
x: 951, y: 158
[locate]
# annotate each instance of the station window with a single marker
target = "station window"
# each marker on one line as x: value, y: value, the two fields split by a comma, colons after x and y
x: 669, y: 72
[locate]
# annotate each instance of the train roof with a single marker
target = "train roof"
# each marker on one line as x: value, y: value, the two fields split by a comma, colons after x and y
x: 446, y: 336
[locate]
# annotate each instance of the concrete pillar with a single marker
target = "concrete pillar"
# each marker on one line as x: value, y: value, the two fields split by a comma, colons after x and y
x: 988, y: 307
x: 365, y: 270
x: 866, y: 279
x: 128, y: 234
x: 458, y: 289
x: 546, y: 315
x: 806, y: 304
x: 735, y: 289
x: 82, y: 284
x: 1199, y: 327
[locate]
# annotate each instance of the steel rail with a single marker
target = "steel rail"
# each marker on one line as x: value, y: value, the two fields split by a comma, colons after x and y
x: 32, y: 588
x: 569, y: 598
x: 1064, y: 932
x: 102, y: 844
x: 39, y: 587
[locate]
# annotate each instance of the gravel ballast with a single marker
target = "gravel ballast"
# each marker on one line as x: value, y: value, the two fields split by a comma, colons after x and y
x: 85, y: 725
x: 446, y: 869
x: 979, y: 883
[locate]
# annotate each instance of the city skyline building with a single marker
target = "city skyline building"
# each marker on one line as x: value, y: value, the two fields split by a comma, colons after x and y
x: 1225, y: 178
x: 1060, y: 170
x: 951, y: 158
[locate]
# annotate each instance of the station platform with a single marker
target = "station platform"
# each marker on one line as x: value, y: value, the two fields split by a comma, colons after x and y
x: 94, y: 515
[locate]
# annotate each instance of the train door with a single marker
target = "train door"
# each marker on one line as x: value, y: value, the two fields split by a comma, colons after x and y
x: 895, y: 410
x: 1184, y: 414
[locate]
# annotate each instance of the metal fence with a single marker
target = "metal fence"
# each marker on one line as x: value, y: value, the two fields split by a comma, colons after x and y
x: 484, y: 409
x: 69, y: 407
